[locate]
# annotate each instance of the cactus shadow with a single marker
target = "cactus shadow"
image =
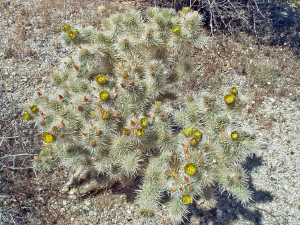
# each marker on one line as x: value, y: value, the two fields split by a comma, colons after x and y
x: 274, y: 23
x: 130, y: 189
x: 228, y: 209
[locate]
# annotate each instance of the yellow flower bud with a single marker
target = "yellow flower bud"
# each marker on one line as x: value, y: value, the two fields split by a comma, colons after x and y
x: 43, y: 153
x: 93, y: 114
x: 105, y: 115
x: 66, y: 27
x: 176, y: 30
x: 139, y: 132
x: 197, y: 135
x: 234, y: 91
x: 158, y: 103
x: 188, y: 132
x: 34, y: 108
x: 126, y: 131
x: 186, y: 9
x: 26, y: 116
x: 193, y: 143
x: 125, y: 74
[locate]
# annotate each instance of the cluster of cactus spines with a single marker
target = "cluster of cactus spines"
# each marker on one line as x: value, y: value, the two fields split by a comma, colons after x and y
x: 107, y: 114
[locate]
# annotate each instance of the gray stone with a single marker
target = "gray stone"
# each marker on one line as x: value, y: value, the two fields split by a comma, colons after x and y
x: 293, y: 98
x: 263, y: 146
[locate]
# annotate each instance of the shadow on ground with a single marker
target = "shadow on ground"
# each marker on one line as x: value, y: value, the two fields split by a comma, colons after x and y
x: 228, y: 209
x: 271, y: 22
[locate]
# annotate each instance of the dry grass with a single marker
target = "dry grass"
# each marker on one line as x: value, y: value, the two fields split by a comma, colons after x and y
x: 26, y: 194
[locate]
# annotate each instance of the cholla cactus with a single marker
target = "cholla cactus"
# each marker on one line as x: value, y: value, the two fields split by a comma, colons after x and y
x: 106, y: 112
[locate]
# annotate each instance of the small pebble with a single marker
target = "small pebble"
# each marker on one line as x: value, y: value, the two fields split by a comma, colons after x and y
x: 263, y: 146
x: 293, y: 98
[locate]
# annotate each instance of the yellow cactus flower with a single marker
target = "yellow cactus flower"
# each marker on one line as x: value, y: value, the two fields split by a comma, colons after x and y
x: 188, y: 132
x: 72, y: 35
x: 176, y: 30
x: 139, y: 132
x: 186, y: 9
x: 34, y: 108
x: 187, y: 199
x: 101, y: 79
x: 234, y: 91
x: 144, y: 122
x: 104, y: 96
x: 234, y: 135
x: 26, y: 116
x: 66, y: 27
x: 229, y: 99
x: 197, y: 135
x: 48, y: 137
x: 190, y: 169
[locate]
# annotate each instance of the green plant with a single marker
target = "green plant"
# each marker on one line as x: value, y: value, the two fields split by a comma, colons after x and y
x: 106, y: 113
